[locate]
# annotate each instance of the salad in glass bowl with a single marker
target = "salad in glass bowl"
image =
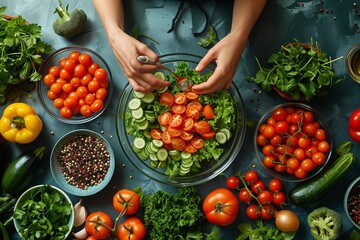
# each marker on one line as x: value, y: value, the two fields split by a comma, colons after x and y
x: 181, y: 138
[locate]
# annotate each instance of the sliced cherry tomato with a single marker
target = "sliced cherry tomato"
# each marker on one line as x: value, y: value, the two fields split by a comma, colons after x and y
x: 167, y: 98
x: 178, y: 108
x: 178, y: 144
x: 188, y: 124
x: 164, y: 118
x: 197, y: 142
x: 186, y: 136
x: 156, y: 133
x: 176, y: 121
x: 180, y: 98
x: 174, y: 132
x: 209, y: 112
x: 202, y: 127
x: 191, y: 96
x: 166, y: 137
x: 208, y: 135
x: 196, y: 104
x: 190, y: 148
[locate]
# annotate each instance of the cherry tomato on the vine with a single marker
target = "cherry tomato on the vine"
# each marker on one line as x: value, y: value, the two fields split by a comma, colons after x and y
x: 233, y: 182
x: 95, y: 229
x: 126, y: 201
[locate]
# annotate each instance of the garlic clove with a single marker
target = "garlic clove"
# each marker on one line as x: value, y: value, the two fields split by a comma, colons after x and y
x: 80, y: 214
x: 82, y: 234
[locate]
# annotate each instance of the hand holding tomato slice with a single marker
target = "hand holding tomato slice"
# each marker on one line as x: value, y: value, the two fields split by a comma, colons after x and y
x: 221, y: 207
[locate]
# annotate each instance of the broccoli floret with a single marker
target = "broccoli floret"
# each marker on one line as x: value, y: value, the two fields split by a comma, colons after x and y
x: 325, y: 224
x: 69, y: 24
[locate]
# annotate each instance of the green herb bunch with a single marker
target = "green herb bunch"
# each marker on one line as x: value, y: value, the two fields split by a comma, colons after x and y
x: 299, y: 70
x: 177, y: 216
x: 20, y: 49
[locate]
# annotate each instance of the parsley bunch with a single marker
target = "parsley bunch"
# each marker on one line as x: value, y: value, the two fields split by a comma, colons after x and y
x: 298, y: 70
x: 20, y: 49
x: 262, y: 232
x: 177, y: 216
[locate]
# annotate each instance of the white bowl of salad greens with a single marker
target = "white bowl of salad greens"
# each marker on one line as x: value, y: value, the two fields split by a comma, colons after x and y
x: 181, y: 138
x: 44, y: 212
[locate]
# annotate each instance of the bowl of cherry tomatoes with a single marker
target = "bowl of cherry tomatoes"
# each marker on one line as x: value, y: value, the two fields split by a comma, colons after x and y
x: 76, y: 85
x: 293, y: 142
x: 181, y: 138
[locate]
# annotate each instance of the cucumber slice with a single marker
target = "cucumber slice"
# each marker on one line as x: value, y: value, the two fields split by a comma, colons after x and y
x: 163, y: 89
x: 143, y: 124
x: 139, y: 143
x: 137, y: 113
x: 139, y: 94
x: 220, y: 137
x: 185, y: 155
x: 148, y: 98
x: 153, y: 148
x: 159, y: 74
x: 157, y: 143
x: 134, y: 103
x: 174, y: 152
x: 147, y: 134
x: 153, y: 157
x: 227, y: 133
x: 162, y: 154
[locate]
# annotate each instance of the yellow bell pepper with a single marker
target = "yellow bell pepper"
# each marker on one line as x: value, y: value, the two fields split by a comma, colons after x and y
x: 20, y: 123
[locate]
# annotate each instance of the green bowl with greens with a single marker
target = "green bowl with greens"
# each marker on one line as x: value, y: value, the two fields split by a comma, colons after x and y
x: 164, y: 157
x: 40, y: 207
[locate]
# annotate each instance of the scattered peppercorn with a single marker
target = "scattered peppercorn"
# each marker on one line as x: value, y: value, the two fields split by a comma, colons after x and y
x: 84, y: 161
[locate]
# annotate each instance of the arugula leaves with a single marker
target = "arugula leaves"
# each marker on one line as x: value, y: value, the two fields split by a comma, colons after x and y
x: 262, y: 232
x: 21, y: 48
x: 298, y: 70
x: 44, y: 214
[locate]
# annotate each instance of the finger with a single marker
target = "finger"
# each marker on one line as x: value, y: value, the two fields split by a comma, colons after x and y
x: 136, y: 86
x: 204, y: 62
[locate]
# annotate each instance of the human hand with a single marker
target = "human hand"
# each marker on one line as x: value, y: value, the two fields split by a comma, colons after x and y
x: 126, y: 50
x: 226, y: 53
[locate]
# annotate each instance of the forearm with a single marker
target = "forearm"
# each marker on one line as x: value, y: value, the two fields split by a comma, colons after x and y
x: 111, y: 14
x: 245, y: 15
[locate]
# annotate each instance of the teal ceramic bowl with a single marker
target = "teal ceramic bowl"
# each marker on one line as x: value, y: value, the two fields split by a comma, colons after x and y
x: 25, y: 196
x: 351, y: 197
x: 57, y: 168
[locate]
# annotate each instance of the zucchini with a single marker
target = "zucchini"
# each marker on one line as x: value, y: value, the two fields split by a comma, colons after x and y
x: 315, y: 188
x: 21, y: 171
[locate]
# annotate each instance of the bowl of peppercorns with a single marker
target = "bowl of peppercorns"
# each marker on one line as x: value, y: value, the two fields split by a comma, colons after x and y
x: 82, y: 162
x: 351, y: 202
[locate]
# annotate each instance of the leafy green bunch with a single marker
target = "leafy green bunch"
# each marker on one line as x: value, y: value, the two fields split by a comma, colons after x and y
x: 300, y: 70
x: 20, y: 49
x: 177, y: 216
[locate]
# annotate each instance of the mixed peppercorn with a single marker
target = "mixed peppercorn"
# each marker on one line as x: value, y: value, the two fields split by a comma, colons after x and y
x: 353, y: 204
x: 84, y: 160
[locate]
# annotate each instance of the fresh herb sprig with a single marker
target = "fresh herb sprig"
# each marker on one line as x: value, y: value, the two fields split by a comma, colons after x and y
x: 299, y: 71
x: 20, y: 50
x: 210, y: 39
x: 262, y: 232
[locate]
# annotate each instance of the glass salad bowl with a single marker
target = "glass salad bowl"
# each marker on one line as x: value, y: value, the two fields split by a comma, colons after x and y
x: 79, y: 88
x: 155, y: 152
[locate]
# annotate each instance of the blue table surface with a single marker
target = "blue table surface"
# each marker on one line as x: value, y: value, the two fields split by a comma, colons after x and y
x: 333, y: 24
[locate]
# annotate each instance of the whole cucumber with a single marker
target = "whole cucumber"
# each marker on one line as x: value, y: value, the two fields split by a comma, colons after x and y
x: 313, y: 189
x: 21, y: 171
